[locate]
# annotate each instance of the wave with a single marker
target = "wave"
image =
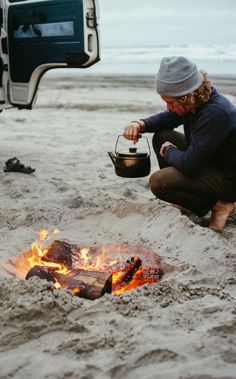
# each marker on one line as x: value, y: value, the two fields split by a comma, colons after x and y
x: 213, y: 52
x: 215, y: 59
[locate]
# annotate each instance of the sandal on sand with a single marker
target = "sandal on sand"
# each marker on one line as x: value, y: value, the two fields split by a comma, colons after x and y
x: 14, y: 165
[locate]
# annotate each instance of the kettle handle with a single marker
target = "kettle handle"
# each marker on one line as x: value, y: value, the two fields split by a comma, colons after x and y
x: 140, y: 136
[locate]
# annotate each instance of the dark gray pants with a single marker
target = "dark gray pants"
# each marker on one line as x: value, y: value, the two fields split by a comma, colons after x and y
x: 200, y: 193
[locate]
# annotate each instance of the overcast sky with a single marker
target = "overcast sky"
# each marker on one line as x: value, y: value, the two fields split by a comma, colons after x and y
x: 155, y: 22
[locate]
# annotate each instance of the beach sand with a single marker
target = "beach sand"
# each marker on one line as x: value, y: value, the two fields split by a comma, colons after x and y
x: 182, y: 328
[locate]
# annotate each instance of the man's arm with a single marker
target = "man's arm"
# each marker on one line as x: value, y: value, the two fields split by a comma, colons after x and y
x: 166, y: 120
x: 210, y: 131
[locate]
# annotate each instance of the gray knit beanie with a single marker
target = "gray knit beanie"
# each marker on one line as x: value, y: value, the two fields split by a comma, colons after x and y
x: 177, y: 76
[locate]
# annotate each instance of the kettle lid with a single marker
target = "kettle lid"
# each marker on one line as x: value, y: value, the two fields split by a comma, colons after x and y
x: 132, y: 155
x: 132, y: 151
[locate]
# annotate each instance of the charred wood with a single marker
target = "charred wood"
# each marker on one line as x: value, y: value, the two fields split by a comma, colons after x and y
x: 87, y: 284
x: 59, y: 252
x: 42, y: 273
x: 131, y: 267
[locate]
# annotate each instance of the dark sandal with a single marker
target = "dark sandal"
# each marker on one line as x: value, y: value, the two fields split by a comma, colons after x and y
x: 14, y: 165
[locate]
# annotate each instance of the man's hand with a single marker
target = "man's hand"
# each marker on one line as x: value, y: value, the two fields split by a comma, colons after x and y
x: 132, y: 130
x: 164, y: 147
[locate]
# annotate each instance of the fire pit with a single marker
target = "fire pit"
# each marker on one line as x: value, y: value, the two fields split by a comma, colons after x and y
x: 87, y: 272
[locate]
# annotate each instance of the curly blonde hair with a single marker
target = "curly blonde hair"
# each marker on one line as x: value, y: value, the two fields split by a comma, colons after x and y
x: 199, y: 96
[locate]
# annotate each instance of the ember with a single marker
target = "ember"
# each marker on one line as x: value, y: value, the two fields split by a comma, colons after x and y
x: 88, y: 273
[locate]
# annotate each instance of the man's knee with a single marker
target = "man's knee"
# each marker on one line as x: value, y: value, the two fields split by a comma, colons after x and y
x: 163, y: 181
x: 177, y: 138
x: 157, y: 182
x: 160, y: 137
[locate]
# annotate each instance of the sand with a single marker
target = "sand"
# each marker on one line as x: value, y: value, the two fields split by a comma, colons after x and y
x: 184, y: 327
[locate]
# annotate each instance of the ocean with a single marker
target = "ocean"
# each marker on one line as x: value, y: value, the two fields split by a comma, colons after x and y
x: 136, y: 34
x: 214, y: 59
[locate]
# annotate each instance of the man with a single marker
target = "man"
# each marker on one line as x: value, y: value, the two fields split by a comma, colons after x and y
x: 197, y: 168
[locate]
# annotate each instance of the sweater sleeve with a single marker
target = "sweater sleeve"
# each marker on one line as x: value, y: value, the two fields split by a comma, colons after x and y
x: 210, y: 130
x: 166, y: 120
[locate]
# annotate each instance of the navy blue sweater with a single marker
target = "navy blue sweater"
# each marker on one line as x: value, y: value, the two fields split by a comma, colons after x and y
x: 210, y: 135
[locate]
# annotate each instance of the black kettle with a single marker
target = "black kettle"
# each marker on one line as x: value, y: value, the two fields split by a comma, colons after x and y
x: 132, y: 164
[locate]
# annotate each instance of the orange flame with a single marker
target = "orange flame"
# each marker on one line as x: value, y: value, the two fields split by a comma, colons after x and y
x: 38, y: 252
x: 76, y: 291
x: 86, y: 259
x: 57, y: 284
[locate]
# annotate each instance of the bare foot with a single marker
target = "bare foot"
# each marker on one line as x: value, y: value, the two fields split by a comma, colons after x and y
x: 183, y: 210
x: 220, y: 214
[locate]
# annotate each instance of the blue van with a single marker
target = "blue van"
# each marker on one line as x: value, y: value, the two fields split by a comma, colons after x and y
x: 38, y: 35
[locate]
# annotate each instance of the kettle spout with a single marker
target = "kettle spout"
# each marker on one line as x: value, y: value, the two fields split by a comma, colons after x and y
x: 112, y: 156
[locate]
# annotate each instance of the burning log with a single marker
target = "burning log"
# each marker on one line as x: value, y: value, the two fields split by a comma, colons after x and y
x: 87, y: 272
x: 87, y: 284
x: 59, y: 252
x: 41, y: 272
x: 131, y: 267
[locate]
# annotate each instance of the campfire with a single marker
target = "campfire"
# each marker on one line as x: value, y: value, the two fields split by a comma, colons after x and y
x: 87, y: 272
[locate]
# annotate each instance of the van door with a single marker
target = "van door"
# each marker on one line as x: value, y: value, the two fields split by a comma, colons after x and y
x: 46, y: 34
